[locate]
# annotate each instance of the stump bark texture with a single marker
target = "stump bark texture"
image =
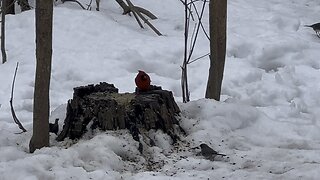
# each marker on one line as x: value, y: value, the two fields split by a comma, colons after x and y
x: 101, y: 106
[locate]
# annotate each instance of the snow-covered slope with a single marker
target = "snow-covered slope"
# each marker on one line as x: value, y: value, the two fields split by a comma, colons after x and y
x: 267, y: 122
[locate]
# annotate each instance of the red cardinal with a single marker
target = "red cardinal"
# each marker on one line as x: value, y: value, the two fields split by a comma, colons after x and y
x: 142, y: 81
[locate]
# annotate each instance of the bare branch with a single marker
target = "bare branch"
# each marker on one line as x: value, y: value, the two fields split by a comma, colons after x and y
x: 200, y: 20
x: 127, y: 9
x: 197, y: 32
x: 143, y: 18
x: 89, y: 6
x: 146, y: 12
x: 134, y: 12
x: 192, y: 2
x: 188, y: 8
x: 15, y: 119
x: 188, y: 53
x: 196, y: 59
x: 193, y: 34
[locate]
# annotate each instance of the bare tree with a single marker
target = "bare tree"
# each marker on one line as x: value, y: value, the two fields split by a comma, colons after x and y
x: 3, y: 23
x: 41, y: 105
x: 189, y: 7
x: 218, y: 36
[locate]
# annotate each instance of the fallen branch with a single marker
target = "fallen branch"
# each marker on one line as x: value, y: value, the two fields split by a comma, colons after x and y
x: 15, y: 119
x: 75, y: 2
x: 89, y: 6
x: 133, y: 8
x: 145, y: 12
x: 137, y: 18
x: 127, y: 9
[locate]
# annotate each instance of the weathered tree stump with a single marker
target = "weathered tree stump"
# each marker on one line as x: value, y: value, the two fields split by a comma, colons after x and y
x: 102, y: 106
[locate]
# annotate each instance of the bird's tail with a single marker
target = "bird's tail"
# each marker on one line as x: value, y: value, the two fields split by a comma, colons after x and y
x: 307, y: 26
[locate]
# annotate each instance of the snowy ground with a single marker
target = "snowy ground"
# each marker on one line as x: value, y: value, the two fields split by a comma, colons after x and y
x: 267, y: 124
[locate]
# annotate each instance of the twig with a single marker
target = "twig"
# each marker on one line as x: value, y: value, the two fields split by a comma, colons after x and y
x: 188, y: 8
x: 192, y: 35
x: 16, y: 120
x: 89, y: 6
x: 198, y: 58
x: 146, y: 12
x: 192, y: 2
x: 197, y: 32
x: 188, y: 53
x: 143, y: 18
x: 123, y: 5
x: 199, y: 19
x: 134, y: 12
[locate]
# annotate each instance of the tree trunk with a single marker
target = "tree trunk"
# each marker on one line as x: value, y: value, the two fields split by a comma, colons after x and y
x: 218, y: 27
x: 44, y: 15
x: 102, y: 106
x: 3, y: 35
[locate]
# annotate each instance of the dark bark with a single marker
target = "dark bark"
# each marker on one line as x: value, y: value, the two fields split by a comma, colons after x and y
x: 218, y: 27
x: 3, y: 34
x: 9, y: 6
x: 101, y: 106
x: 124, y: 6
x: 44, y: 16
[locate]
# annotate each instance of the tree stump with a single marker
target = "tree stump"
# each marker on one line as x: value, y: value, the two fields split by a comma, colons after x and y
x: 101, y: 106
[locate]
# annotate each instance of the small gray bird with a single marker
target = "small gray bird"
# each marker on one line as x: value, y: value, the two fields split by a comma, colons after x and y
x: 316, y: 28
x: 208, y: 152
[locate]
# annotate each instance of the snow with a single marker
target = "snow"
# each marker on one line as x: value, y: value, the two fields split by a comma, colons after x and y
x: 267, y: 122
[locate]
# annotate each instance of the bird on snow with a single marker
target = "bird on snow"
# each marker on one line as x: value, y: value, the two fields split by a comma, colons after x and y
x: 142, y: 81
x: 54, y: 127
x: 208, y: 152
x: 316, y: 28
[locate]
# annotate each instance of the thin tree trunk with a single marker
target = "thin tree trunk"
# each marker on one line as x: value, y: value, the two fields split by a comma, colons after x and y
x: 218, y: 29
x: 3, y: 35
x: 44, y: 15
x: 184, y: 76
